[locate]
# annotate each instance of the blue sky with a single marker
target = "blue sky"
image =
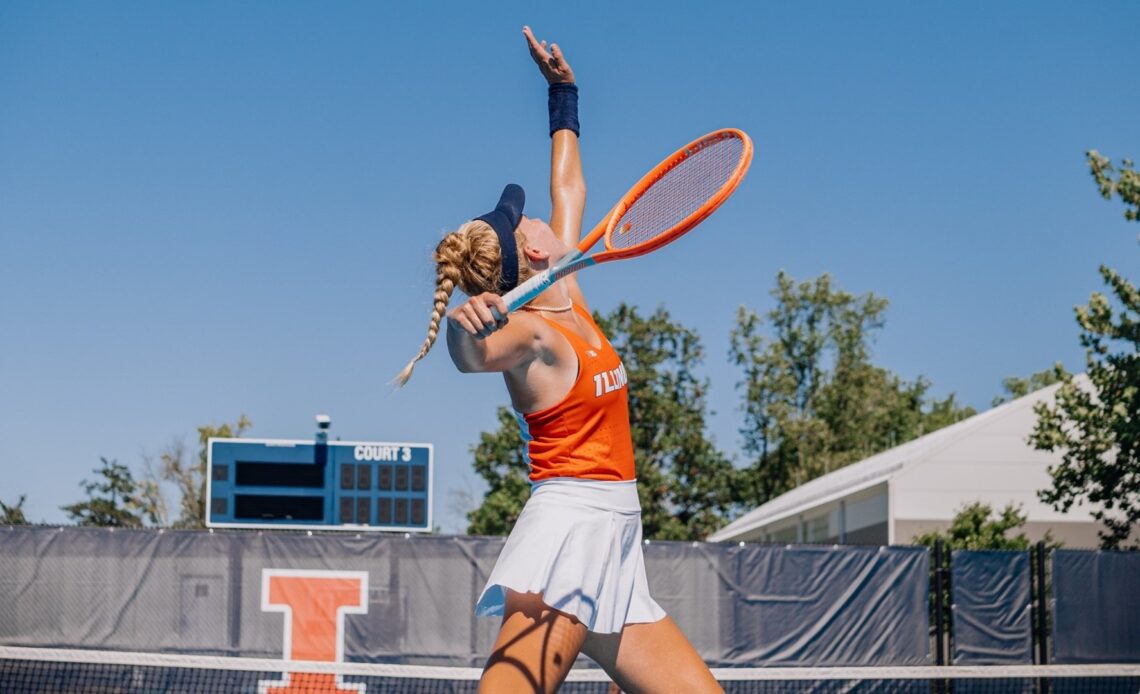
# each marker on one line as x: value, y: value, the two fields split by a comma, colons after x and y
x: 217, y: 208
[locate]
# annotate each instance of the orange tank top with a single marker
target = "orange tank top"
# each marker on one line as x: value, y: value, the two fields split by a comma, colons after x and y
x: 587, y: 433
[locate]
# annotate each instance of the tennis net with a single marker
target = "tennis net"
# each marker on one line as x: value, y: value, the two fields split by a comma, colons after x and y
x: 48, y: 670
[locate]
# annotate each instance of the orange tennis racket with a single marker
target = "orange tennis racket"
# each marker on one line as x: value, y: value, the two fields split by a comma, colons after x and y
x: 677, y: 195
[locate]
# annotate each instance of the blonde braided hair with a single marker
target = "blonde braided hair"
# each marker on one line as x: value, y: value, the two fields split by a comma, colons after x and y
x: 469, y: 258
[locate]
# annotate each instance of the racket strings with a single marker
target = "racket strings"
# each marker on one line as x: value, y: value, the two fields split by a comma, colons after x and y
x: 682, y: 192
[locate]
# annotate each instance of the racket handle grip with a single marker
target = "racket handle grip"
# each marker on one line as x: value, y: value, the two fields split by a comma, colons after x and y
x: 526, y: 291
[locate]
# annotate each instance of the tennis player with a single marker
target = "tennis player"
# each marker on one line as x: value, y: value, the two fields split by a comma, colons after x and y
x: 571, y: 577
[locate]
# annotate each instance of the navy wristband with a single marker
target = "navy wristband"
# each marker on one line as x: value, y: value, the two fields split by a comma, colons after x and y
x: 562, y: 102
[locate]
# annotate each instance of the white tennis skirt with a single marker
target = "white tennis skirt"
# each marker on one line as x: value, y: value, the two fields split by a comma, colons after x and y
x: 578, y: 543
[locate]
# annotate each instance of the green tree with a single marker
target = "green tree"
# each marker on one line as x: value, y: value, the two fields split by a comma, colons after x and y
x: 13, y: 515
x: 149, y: 489
x: 975, y: 526
x: 1015, y: 387
x: 813, y: 401
x: 189, y: 477
x: 1094, y: 422
x: 683, y: 480
x: 1125, y: 186
x: 112, y: 501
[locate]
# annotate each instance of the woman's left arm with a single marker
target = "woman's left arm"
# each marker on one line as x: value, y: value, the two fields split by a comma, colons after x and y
x: 567, y: 182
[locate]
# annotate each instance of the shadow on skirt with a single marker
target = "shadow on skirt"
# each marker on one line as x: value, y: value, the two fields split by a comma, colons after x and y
x: 578, y: 543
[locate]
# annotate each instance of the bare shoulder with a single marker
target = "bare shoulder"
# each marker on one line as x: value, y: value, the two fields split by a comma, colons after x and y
x: 548, y: 375
x: 549, y: 348
x: 531, y: 340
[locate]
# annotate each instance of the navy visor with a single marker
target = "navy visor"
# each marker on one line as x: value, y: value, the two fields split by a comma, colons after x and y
x: 504, y: 219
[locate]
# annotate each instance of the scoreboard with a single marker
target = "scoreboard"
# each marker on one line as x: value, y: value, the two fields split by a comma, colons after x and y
x: 268, y: 483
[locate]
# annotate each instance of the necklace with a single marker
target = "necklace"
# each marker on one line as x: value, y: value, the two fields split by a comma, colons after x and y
x: 554, y: 309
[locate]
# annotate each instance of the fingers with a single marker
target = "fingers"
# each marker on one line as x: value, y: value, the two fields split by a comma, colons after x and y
x: 498, y: 306
x: 481, y: 315
x: 465, y: 318
x: 552, y: 63
x: 496, y: 312
x: 538, y: 50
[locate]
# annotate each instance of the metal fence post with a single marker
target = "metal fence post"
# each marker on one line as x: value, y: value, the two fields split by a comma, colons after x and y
x: 1041, y: 630
x: 939, y: 639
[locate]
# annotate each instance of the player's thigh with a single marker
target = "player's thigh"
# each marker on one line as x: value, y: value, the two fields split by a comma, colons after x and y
x: 654, y: 657
x: 535, y: 648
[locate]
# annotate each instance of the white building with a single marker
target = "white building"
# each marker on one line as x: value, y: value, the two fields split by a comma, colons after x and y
x: 919, y: 486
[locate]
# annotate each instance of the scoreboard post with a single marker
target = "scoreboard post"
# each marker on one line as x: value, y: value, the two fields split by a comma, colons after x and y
x: 319, y: 484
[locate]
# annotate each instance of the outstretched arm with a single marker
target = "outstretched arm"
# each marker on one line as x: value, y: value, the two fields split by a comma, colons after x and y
x: 567, y: 183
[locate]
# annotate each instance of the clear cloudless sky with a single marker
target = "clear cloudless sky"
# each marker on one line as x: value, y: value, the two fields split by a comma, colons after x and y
x: 217, y: 208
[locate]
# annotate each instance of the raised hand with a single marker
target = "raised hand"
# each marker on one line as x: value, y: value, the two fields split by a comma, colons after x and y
x: 550, y: 62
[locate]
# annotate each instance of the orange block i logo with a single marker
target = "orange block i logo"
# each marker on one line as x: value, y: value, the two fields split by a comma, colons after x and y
x: 314, y: 604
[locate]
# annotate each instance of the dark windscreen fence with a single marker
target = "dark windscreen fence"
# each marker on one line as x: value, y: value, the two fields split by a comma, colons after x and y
x: 404, y: 599
x: 1096, y: 607
x: 992, y: 603
x: 24, y: 671
x: 410, y: 599
x: 828, y: 605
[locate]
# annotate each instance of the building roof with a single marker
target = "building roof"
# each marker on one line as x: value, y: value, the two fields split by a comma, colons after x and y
x: 877, y: 469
